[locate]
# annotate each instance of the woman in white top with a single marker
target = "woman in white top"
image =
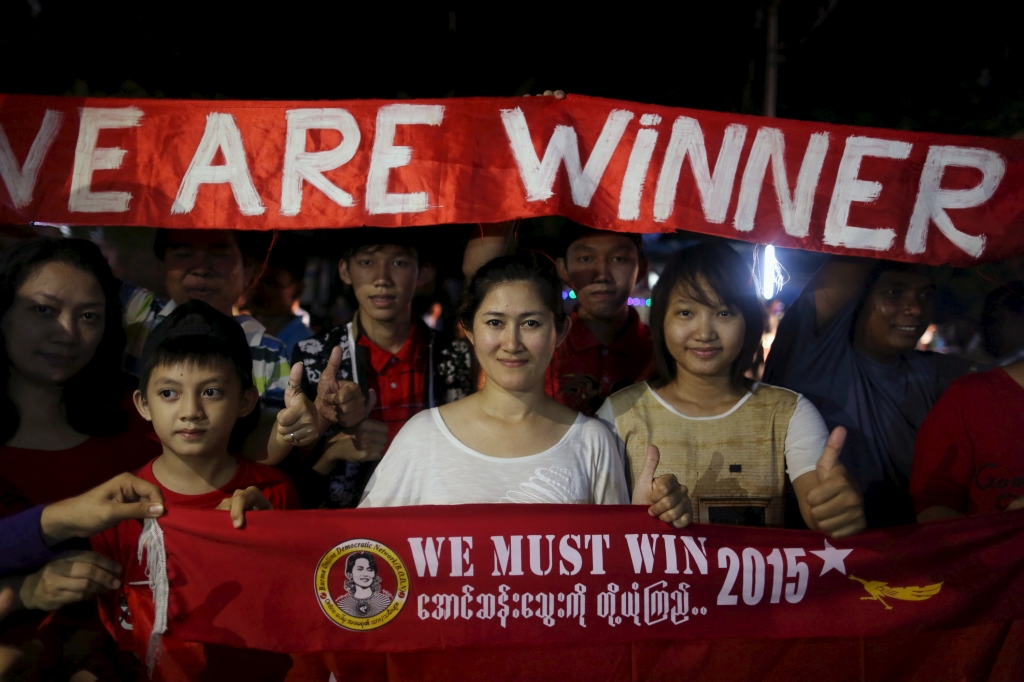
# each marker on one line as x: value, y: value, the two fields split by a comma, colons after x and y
x: 736, y: 444
x: 511, y: 442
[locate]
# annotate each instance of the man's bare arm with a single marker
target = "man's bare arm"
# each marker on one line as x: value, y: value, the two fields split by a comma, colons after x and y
x: 835, y: 285
x: 489, y: 243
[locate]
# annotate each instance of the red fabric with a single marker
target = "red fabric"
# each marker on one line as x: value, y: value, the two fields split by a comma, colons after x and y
x: 968, y: 454
x: 44, y: 476
x: 400, y: 381
x: 469, y: 160
x: 983, y: 653
x: 583, y: 370
x: 128, y: 612
x: 932, y: 577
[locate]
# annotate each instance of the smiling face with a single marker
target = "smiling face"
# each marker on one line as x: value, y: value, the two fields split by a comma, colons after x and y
x: 194, y: 406
x: 55, y: 323
x: 385, y: 279
x: 704, y: 340
x: 603, y: 269
x: 897, y: 312
x: 514, y: 336
x: 362, y: 574
x: 204, y: 265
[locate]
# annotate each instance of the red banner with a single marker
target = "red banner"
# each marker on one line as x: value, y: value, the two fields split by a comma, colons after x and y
x: 610, y: 164
x: 394, y: 580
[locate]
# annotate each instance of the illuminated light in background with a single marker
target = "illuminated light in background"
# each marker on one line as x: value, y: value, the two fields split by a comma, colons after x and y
x: 652, y: 279
x: 768, y: 273
x: 639, y: 302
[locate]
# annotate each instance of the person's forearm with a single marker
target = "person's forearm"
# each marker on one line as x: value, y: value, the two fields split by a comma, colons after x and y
x: 22, y: 546
x: 492, y: 243
x: 257, y: 445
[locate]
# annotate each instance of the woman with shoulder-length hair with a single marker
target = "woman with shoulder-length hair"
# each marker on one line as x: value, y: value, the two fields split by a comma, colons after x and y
x: 510, y: 441
x: 736, y: 444
x: 61, y: 340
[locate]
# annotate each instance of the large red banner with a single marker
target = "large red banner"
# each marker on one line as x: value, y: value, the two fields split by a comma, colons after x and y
x: 399, y: 580
x: 610, y: 164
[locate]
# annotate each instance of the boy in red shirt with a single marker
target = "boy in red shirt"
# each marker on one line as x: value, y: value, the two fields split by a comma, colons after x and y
x: 608, y: 347
x: 197, y: 390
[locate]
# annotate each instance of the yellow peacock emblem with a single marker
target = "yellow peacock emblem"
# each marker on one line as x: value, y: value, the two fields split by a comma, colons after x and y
x: 878, y: 589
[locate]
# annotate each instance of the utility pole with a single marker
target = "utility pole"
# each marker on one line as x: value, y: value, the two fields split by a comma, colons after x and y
x: 771, y: 72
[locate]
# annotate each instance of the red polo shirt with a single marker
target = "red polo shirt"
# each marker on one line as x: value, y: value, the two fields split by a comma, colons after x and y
x: 584, y: 371
x: 400, y: 381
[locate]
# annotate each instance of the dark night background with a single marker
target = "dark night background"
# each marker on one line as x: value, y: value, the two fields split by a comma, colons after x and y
x: 954, y: 68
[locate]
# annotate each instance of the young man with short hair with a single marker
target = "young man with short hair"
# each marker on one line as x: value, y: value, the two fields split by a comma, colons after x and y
x: 608, y: 347
x: 403, y: 365
x: 848, y: 344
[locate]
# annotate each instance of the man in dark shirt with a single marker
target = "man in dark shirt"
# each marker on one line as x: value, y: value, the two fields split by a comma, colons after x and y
x: 608, y: 347
x: 848, y: 344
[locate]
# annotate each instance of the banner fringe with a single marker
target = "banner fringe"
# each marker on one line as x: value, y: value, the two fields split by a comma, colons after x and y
x: 152, y: 543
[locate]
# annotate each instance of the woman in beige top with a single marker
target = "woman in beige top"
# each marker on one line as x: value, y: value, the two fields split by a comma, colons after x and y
x: 735, y: 444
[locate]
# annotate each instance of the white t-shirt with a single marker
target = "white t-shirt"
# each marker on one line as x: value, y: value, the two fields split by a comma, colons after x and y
x: 805, y: 438
x: 427, y: 464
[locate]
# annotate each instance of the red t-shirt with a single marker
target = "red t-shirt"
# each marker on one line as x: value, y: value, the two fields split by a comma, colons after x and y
x: 969, y: 454
x: 584, y: 371
x: 44, y: 476
x: 128, y: 612
x: 399, y: 380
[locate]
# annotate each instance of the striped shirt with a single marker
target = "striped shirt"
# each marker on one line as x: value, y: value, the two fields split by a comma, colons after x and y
x: 144, y: 310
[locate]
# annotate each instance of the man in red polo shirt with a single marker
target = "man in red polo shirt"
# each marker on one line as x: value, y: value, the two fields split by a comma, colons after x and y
x: 608, y: 347
x: 400, y: 363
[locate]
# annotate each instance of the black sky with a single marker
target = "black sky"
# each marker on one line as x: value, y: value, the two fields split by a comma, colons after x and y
x: 921, y: 66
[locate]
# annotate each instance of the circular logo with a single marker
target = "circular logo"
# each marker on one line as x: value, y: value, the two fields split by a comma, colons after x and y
x: 361, y: 584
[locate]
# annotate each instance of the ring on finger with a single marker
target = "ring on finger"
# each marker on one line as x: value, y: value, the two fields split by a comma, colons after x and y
x: 292, y: 436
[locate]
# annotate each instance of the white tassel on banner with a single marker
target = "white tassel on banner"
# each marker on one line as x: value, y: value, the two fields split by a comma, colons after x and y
x: 152, y: 543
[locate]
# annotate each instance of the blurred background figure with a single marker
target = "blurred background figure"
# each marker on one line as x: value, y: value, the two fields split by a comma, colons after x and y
x: 1002, y: 324
x: 274, y: 299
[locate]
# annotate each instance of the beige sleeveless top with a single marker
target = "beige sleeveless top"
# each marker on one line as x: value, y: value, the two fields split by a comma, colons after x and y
x: 734, y: 464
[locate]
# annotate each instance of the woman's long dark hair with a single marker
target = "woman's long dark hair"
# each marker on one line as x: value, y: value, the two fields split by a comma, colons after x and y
x: 92, y: 398
x: 715, y: 275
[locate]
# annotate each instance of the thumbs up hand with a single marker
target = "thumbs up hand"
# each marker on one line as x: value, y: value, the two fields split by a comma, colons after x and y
x: 836, y: 505
x: 338, y: 401
x: 298, y: 422
x: 668, y: 500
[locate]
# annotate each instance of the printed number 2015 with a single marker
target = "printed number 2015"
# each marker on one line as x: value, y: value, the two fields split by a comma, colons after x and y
x: 753, y: 575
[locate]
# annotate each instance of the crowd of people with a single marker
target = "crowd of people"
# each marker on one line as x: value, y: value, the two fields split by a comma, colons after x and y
x: 119, y: 403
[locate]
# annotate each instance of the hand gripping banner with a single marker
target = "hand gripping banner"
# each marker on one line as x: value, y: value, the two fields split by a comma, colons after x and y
x: 402, y: 580
x: 609, y: 164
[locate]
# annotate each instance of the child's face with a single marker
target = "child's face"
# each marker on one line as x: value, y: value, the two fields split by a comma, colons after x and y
x: 385, y: 279
x: 194, y: 408
x: 603, y: 269
x: 703, y: 340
